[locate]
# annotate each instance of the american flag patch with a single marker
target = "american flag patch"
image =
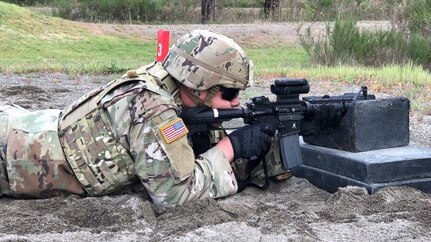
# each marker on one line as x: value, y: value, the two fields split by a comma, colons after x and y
x: 174, y: 130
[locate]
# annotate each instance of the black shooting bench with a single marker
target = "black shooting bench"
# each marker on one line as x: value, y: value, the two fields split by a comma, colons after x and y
x: 370, y: 148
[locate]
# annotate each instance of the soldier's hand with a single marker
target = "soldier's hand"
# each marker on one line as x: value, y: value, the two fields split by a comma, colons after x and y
x: 251, y: 141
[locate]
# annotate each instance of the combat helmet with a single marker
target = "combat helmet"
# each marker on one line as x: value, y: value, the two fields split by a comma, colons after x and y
x: 205, y: 60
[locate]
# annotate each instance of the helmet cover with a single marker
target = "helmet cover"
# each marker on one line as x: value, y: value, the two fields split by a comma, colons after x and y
x: 202, y: 59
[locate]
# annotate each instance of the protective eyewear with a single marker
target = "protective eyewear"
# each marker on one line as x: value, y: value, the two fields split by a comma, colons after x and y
x: 229, y: 94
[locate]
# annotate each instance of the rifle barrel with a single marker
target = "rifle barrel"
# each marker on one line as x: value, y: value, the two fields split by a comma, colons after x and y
x: 209, y: 116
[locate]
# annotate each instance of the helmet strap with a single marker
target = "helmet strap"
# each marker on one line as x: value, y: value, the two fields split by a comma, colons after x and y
x: 211, y: 93
x: 194, y: 96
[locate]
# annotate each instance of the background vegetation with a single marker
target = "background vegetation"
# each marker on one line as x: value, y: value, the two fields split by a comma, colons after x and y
x: 409, y: 40
x: 187, y: 11
x: 396, y: 59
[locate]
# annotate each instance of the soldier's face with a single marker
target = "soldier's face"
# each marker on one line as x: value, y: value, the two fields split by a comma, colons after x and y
x: 219, y: 100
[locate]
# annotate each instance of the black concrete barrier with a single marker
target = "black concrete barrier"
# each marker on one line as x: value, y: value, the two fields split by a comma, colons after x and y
x: 329, y: 168
x: 368, y: 125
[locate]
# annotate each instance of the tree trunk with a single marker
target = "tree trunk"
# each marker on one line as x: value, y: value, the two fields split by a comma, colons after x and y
x: 207, y: 10
x: 271, y: 8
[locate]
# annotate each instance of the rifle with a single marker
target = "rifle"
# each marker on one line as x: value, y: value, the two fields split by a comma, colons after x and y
x: 288, y: 111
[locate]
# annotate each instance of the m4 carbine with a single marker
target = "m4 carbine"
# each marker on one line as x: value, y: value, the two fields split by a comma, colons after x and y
x: 287, y: 111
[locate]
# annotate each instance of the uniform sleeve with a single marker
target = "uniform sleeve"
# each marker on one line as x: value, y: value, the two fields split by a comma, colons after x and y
x: 170, y: 172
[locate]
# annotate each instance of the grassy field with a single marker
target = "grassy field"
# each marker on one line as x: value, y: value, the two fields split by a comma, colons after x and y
x: 31, y: 42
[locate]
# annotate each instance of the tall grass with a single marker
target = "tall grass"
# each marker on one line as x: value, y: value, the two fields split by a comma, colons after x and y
x: 413, y: 16
x: 344, y: 44
x: 108, y: 10
x: 407, y: 80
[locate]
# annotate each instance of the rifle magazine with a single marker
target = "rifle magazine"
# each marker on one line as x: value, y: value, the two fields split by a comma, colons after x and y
x: 290, y: 151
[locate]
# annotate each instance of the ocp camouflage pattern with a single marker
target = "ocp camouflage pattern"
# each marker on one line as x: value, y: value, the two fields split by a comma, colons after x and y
x: 132, y: 116
x: 33, y: 164
x: 203, y: 59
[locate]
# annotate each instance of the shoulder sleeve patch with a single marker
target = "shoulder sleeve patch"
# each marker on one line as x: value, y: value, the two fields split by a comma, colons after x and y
x: 171, y: 136
x: 173, y: 130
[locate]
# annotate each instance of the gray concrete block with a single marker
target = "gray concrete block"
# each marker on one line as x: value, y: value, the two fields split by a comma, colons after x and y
x: 368, y: 125
x: 330, y: 168
x: 331, y: 182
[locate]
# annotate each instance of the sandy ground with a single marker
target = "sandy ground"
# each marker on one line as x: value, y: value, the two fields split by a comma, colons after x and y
x: 293, y: 210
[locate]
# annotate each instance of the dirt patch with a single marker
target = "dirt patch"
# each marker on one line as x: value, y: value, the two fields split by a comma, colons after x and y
x: 293, y: 210
x: 75, y: 214
x: 290, y: 210
x: 21, y: 90
x: 26, y: 96
x: 251, y: 34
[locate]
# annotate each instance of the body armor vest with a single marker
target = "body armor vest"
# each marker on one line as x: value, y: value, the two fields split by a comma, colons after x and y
x: 100, y: 162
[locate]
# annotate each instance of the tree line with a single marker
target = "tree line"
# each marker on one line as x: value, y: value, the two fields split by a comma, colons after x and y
x: 140, y: 10
x: 216, y: 11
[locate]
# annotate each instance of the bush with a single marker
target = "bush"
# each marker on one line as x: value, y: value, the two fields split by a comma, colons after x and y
x: 30, y: 2
x: 413, y: 17
x: 131, y: 11
x: 241, y: 3
x: 419, y: 50
x: 328, y: 10
x: 344, y: 44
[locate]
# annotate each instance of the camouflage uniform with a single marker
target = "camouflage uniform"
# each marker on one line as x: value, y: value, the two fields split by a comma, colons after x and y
x: 32, y: 163
x: 115, y: 144
x: 112, y: 138
x: 202, y: 60
x: 115, y: 136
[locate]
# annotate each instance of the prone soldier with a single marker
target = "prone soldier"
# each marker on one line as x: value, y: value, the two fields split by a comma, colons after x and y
x: 128, y: 132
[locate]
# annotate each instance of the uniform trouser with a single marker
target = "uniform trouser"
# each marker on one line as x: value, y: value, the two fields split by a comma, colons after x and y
x: 4, y: 184
x: 32, y: 163
x: 4, y: 122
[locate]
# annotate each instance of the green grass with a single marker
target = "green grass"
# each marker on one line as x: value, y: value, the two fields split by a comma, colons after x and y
x: 30, y: 42
x: 276, y: 59
x: 387, y: 76
x: 408, y: 80
x: 90, y: 55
